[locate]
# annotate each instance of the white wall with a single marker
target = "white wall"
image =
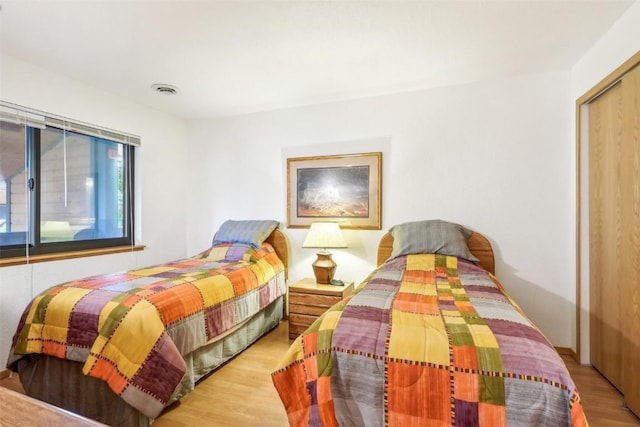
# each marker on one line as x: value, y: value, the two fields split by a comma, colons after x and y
x: 620, y: 43
x: 494, y: 156
x: 161, y: 201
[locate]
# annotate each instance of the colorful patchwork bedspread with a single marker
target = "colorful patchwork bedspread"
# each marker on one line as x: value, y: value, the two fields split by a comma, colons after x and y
x: 131, y: 329
x: 428, y: 340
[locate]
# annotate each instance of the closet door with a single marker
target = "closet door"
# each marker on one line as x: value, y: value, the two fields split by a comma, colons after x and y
x: 630, y: 242
x: 605, y: 224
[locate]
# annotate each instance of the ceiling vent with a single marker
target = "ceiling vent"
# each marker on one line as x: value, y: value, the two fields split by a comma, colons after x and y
x: 164, y: 89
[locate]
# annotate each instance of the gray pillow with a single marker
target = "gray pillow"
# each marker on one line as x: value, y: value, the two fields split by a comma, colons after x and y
x: 431, y: 237
x: 249, y: 232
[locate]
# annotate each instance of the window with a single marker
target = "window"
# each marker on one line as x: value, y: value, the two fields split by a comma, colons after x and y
x: 64, y: 186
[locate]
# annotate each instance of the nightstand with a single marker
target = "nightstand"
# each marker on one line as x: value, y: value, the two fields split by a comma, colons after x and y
x: 308, y: 300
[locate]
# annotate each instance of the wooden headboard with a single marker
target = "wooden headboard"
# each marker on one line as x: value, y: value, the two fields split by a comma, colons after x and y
x: 479, y: 246
x: 278, y: 240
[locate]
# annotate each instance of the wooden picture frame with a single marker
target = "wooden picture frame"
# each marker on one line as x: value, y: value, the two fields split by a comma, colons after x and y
x: 346, y: 189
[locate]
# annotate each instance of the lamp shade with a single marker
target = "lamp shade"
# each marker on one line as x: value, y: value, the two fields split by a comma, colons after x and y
x: 324, y: 235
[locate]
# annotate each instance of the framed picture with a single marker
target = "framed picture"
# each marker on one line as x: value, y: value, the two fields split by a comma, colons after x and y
x: 342, y: 188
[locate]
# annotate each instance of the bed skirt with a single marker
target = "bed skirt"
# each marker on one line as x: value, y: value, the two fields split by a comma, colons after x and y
x: 62, y: 383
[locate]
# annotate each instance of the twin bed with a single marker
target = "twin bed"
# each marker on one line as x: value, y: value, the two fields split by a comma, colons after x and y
x: 430, y: 338
x: 118, y: 348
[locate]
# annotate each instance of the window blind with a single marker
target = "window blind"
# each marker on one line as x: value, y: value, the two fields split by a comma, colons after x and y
x: 18, y: 114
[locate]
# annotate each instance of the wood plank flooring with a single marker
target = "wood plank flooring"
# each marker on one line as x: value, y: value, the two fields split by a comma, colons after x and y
x: 601, y: 401
x: 240, y: 393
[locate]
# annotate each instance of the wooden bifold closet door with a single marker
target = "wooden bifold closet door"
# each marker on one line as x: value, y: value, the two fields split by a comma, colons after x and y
x: 614, y: 235
x: 605, y: 255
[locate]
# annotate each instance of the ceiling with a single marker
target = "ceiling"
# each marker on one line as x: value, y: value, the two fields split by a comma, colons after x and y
x: 237, y: 57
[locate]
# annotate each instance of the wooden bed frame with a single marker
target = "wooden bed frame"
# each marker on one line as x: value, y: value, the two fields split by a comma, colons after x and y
x: 479, y: 246
x: 278, y: 240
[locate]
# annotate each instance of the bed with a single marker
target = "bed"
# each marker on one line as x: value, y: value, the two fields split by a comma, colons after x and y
x: 119, y: 348
x: 430, y: 338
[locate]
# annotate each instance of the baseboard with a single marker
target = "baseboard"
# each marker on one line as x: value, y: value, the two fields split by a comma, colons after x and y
x: 5, y: 374
x: 567, y: 352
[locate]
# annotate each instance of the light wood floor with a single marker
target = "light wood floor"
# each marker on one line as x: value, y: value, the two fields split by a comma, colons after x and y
x: 240, y: 393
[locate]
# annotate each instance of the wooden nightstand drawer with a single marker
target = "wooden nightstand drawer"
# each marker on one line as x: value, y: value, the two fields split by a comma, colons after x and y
x: 308, y: 300
x: 314, y: 302
x: 302, y: 319
x: 296, y: 329
x: 313, y: 310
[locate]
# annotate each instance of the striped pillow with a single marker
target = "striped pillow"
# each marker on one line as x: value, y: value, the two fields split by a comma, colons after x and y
x: 249, y: 232
x: 431, y: 237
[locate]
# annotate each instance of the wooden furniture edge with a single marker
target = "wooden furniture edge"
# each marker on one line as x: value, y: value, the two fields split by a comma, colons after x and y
x: 479, y: 246
x: 20, y: 409
x: 319, y: 288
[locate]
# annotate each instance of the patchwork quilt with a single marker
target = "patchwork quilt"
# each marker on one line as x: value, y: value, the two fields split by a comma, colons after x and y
x: 427, y: 340
x: 131, y: 329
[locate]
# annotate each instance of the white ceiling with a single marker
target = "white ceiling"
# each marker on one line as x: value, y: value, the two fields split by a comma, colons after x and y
x: 235, y: 57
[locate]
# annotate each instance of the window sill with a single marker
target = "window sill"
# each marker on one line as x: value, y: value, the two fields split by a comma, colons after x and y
x: 68, y: 255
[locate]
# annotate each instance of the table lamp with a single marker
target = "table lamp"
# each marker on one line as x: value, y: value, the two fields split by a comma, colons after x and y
x: 324, y: 235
